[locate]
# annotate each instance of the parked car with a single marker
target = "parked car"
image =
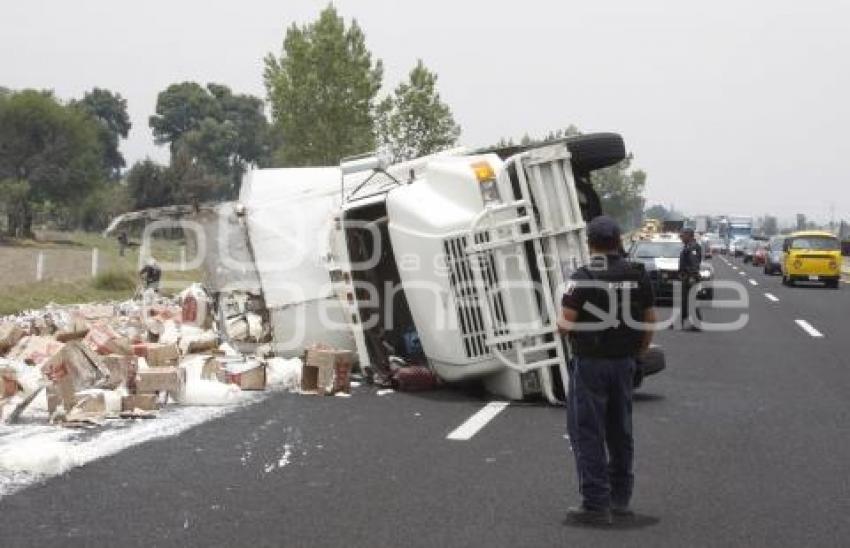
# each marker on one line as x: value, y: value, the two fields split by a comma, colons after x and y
x: 661, y: 260
x: 812, y: 256
x: 773, y: 256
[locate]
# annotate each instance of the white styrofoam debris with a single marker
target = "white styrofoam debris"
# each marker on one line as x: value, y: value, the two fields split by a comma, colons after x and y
x: 283, y: 373
x: 207, y: 392
x: 31, y: 453
x: 228, y: 350
x: 40, y: 457
x: 170, y: 332
x: 198, y: 391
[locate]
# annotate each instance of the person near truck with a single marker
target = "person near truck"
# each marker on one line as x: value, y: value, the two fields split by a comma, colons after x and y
x: 150, y: 275
x: 690, y: 259
x: 605, y: 348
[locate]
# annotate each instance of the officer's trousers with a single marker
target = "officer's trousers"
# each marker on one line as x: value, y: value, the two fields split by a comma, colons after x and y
x: 599, y: 423
x: 689, y: 307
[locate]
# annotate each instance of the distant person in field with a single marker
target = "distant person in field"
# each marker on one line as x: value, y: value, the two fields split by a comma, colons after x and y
x: 151, y: 274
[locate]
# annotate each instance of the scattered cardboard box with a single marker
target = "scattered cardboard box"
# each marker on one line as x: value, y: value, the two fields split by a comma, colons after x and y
x: 158, y: 354
x: 160, y: 379
x: 103, y: 339
x: 10, y: 334
x: 142, y: 402
x: 76, y: 328
x: 327, y: 371
x: 34, y: 349
x: 213, y: 370
x: 121, y: 371
x: 8, y: 382
x: 248, y: 376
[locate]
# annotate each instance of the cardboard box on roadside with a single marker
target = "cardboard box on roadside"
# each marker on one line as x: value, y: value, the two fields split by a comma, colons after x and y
x: 160, y: 379
x: 102, y: 339
x: 122, y: 371
x: 35, y: 350
x: 249, y: 375
x: 326, y: 370
x: 8, y: 382
x: 90, y: 408
x: 10, y: 334
x: 213, y: 370
x: 158, y: 354
x: 143, y: 402
x: 76, y: 328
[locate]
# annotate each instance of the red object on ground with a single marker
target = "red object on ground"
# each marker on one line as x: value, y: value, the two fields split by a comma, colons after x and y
x: 190, y: 309
x: 415, y: 378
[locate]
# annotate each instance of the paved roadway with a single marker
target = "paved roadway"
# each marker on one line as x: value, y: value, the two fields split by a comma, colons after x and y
x: 743, y: 441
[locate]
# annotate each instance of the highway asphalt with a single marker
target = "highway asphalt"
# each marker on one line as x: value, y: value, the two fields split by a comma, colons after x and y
x: 743, y: 441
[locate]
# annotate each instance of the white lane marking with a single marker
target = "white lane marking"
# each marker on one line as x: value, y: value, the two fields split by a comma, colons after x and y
x: 771, y: 297
x: 478, y: 421
x: 753, y: 282
x: 734, y: 267
x: 807, y: 327
x: 742, y: 273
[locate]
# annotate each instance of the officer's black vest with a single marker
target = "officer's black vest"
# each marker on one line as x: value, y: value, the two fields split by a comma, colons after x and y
x: 612, y: 342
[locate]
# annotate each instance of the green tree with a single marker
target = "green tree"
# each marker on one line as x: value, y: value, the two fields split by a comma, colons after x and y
x: 224, y: 132
x: 53, y: 148
x: 181, y: 108
x: 656, y: 211
x: 621, y: 191
x: 322, y: 91
x: 149, y: 185
x: 110, y: 111
x: 414, y: 121
x: 192, y: 182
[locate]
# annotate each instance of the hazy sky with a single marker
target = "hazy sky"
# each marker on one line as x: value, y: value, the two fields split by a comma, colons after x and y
x: 730, y: 106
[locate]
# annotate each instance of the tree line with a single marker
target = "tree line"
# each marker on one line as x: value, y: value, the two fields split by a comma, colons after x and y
x: 324, y: 102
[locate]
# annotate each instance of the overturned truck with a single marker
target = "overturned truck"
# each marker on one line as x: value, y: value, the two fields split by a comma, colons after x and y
x: 455, y: 260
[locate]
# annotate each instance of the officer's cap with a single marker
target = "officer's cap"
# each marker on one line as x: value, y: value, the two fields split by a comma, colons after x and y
x: 603, y: 232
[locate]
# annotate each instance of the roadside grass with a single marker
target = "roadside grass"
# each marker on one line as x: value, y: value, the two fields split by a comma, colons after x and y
x: 117, y: 282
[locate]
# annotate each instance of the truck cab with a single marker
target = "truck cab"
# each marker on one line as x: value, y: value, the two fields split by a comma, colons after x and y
x: 467, y: 253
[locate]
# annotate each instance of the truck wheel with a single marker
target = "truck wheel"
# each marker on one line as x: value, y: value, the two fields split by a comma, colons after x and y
x: 596, y: 150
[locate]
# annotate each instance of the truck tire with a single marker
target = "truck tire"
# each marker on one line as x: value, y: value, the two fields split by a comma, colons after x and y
x: 596, y: 151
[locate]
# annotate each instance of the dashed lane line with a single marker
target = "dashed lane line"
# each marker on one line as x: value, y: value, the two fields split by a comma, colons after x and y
x: 479, y: 420
x: 807, y: 327
x: 771, y: 297
x: 753, y: 282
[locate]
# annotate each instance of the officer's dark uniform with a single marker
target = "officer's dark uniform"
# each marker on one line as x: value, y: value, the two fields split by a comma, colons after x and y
x: 599, y: 406
x: 689, y: 262
x: 151, y: 274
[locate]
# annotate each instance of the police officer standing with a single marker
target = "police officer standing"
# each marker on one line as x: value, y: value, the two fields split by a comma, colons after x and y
x: 689, y: 263
x: 605, y: 344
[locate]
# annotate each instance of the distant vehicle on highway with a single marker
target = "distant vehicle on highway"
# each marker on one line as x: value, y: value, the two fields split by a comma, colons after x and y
x: 773, y: 258
x: 715, y: 247
x: 812, y: 256
x: 736, y: 246
x: 751, y: 247
x: 760, y: 253
x: 661, y: 260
